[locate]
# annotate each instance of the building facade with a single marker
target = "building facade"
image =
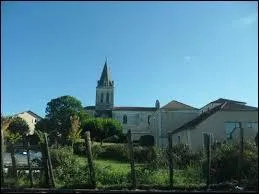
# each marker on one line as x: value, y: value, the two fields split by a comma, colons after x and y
x: 185, y: 123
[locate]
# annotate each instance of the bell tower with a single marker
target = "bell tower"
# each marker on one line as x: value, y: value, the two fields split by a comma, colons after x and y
x: 104, y: 94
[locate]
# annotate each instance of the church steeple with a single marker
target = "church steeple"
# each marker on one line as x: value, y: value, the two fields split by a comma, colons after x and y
x: 105, y: 79
x: 104, y: 92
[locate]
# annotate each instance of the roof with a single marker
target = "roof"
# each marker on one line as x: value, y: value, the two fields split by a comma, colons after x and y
x: 31, y: 113
x: 105, y: 79
x: 222, y: 100
x: 198, y: 119
x: 124, y: 108
x: 175, y: 105
x: 227, y: 106
x: 89, y: 108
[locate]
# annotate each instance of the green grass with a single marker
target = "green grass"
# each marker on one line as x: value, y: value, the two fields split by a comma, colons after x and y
x: 112, y: 172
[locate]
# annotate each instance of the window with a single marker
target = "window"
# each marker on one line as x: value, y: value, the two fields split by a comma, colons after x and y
x: 148, y: 119
x: 253, y: 125
x: 124, y: 119
x: 101, y: 97
x: 230, y: 128
x: 179, y: 139
x: 107, y: 98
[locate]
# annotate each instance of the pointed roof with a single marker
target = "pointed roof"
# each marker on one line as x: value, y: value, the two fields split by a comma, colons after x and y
x: 105, y: 79
x: 175, y: 105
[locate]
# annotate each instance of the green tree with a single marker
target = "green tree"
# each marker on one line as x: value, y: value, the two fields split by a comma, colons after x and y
x: 5, y: 121
x: 101, y: 128
x: 75, y: 131
x: 94, y: 125
x: 17, y: 129
x: 58, y: 112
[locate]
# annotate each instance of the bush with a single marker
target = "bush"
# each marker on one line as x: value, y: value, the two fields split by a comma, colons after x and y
x: 79, y: 148
x: 67, y: 169
x: 224, y: 162
x: 144, y: 154
x: 147, y: 140
x: 183, y: 156
x: 113, y: 152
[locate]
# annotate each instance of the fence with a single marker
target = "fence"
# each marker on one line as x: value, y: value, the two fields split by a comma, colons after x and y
x: 47, y: 172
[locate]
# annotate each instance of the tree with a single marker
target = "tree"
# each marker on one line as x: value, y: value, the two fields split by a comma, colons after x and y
x: 17, y: 129
x: 102, y: 128
x: 5, y: 121
x: 75, y: 131
x: 58, y: 114
x: 94, y: 125
x: 112, y: 127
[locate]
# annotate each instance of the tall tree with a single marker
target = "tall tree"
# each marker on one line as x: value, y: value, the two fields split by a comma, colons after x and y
x: 58, y: 114
x: 17, y: 129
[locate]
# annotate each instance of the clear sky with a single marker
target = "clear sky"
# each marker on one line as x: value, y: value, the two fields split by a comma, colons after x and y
x: 192, y: 52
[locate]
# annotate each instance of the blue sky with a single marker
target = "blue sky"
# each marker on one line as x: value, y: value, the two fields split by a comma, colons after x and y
x: 192, y: 52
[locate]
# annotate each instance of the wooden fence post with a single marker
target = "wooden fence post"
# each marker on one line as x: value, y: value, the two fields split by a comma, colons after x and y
x: 29, y: 162
x: 52, y: 181
x: 14, y: 169
x: 45, y: 163
x: 90, y: 158
x: 2, y: 157
x: 133, y: 173
x: 240, y: 162
x: 207, y: 141
x: 170, y: 154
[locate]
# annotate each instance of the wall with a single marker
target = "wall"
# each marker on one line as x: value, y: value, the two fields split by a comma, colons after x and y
x: 31, y: 121
x: 215, y: 124
x: 137, y: 121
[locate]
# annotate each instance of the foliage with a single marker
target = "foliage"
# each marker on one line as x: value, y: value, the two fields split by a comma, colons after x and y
x: 57, y: 121
x: 183, y: 156
x: 68, y: 170
x: 75, y: 131
x: 117, y: 152
x: 224, y: 161
x: 102, y: 129
x: 17, y: 129
x: 5, y: 121
x: 147, y: 140
x: 18, y: 125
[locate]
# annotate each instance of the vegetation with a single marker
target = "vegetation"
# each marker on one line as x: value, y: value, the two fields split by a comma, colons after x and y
x: 102, y: 129
x: 225, y: 161
x: 58, y: 119
x: 16, y: 129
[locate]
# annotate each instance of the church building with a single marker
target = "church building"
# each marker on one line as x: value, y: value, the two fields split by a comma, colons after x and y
x: 135, y: 118
x: 185, y: 123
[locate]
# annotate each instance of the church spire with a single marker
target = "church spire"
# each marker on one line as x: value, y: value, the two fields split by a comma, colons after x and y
x: 105, y: 79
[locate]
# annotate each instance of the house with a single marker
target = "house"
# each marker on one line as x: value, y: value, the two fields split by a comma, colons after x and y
x: 222, y: 119
x: 31, y: 118
x: 168, y: 118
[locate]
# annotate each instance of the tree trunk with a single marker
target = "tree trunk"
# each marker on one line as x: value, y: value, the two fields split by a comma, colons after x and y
x: 14, y: 171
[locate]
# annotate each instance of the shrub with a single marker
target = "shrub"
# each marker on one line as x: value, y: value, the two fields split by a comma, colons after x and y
x: 144, y: 154
x: 147, y: 140
x: 113, y: 152
x: 67, y: 169
x: 79, y: 148
x: 183, y: 156
x: 224, y: 162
